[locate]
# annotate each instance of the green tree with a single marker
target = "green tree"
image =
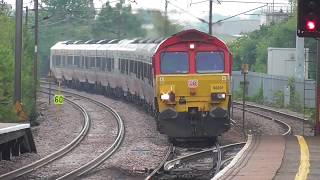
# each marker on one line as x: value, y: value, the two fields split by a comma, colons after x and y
x: 163, y: 27
x: 4, y: 9
x: 69, y: 8
x: 7, y: 37
x: 6, y: 68
x: 252, y: 48
x: 117, y: 22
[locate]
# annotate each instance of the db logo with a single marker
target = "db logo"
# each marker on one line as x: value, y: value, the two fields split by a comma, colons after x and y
x: 193, y: 83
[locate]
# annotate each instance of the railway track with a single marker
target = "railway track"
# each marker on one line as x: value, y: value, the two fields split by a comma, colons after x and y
x: 170, y: 162
x: 174, y: 162
x: 267, y: 109
x: 253, y: 141
x: 194, y: 163
x: 105, y: 154
x: 286, y: 127
x: 63, y: 151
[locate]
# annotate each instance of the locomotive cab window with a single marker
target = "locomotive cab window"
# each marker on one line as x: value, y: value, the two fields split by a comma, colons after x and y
x: 174, y: 63
x: 210, y: 62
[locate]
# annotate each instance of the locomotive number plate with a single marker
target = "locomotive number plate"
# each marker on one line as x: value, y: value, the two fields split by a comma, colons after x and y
x: 193, y: 83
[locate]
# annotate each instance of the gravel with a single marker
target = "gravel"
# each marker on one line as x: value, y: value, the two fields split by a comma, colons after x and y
x: 102, y: 133
x: 143, y: 147
x: 54, y: 132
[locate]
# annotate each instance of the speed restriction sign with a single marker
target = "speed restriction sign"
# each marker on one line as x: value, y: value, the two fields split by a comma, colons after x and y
x: 58, y: 99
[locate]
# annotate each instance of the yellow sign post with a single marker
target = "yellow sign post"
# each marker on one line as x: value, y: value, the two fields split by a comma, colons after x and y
x: 58, y: 100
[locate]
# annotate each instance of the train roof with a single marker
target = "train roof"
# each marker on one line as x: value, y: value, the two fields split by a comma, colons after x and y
x: 145, y: 45
x: 193, y: 35
x: 137, y: 44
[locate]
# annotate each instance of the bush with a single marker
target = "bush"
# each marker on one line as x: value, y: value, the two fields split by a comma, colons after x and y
x: 258, y: 98
x: 278, y: 99
x: 7, y: 37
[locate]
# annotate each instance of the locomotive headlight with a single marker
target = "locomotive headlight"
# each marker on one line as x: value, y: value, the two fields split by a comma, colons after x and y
x: 168, y: 97
x: 192, y: 46
x: 165, y: 97
x: 218, y: 96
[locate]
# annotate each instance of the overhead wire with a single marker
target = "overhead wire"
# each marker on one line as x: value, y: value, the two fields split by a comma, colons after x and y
x: 187, y: 12
x: 230, y: 17
x: 221, y: 20
x: 238, y: 1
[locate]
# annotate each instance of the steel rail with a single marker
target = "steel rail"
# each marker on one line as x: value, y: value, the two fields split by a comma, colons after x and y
x: 108, y: 152
x: 243, y: 152
x: 61, y: 152
x: 168, y: 165
x: 172, y: 163
x: 160, y: 166
x: 219, y: 158
x: 272, y: 110
x: 281, y: 123
x: 238, y: 158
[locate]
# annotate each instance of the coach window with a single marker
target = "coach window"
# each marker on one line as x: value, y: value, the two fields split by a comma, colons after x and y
x: 210, y: 62
x: 92, y: 62
x: 58, y: 60
x: 109, y: 64
x: 70, y: 61
x: 103, y: 63
x: 174, y: 63
x: 149, y: 74
x: 98, y: 62
x: 77, y: 61
x: 53, y: 60
x: 131, y: 66
x: 82, y: 61
x: 122, y: 66
x: 140, y: 70
x: 127, y: 66
x: 135, y: 68
x: 145, y: 70
x: 62, y: 61
x: 87, y: 62
x: 112, y: 64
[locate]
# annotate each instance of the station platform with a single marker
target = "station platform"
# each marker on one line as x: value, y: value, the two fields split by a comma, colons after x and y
x: 15, y: 138
x: 10, y: 127
x: 277, y: 158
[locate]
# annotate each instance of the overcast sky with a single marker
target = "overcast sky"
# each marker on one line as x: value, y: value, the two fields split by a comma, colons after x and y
x: 186, y: 9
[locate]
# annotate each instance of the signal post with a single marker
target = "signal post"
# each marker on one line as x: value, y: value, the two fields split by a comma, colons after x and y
x: 317, y: 124
x: 309, y: 26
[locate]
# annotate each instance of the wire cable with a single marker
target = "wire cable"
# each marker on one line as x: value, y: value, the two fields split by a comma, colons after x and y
x: 239, y: 14
x: 187, y: 12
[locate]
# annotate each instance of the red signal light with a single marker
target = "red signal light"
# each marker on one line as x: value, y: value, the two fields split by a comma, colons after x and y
x: 311, y: 25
